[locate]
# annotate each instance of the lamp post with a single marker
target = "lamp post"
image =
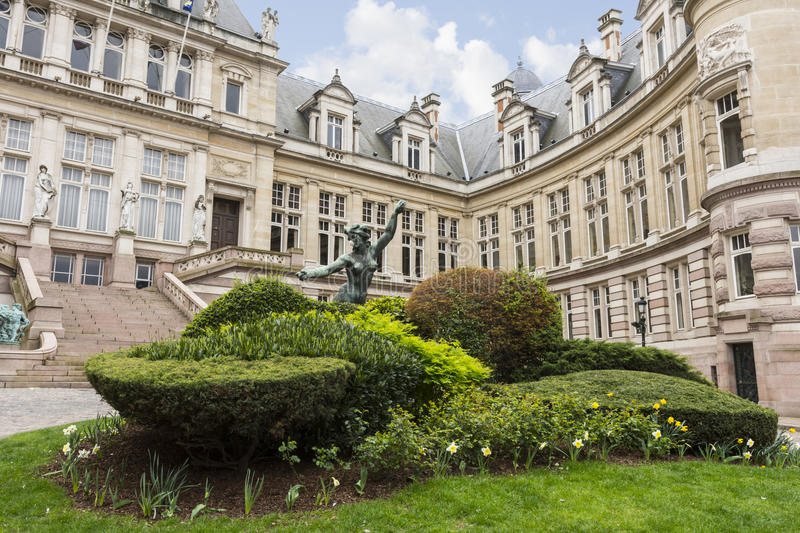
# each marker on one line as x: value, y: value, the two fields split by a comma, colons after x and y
x: 641, y: 324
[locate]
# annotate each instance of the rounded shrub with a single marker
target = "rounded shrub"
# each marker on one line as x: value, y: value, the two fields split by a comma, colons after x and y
x: 226, y: 399
x: 711, y: 414
x: 507, y: 319
x: 247, y: 302
x: 577, y: 355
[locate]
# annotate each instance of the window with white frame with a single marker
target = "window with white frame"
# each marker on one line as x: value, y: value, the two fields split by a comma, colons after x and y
x: 155, y: 68
x: 447, y: 231
x: 331, y: 241
x: 630, y: 215
x: 660, y: 46
x: 173, y: 211
x: 277, y: 194
x: 5, y: 22
x: 414, y: 150
x: 366, y: 212
x: 81, y: 53
x: 148, y: 210
x: 679, y: 297
x: 183, y: 78
x: 587, y: 99
x: 596, y: 209
x: 560, y: 228
x: 75, y: 146
x: 103, y: 152
x: 730, y: 130
x: 339, y: 206
x: 413, y: 256
x: 794, y: 236
x: 18, y: 135
x: 380, y: 214
x: 293, y: 201
x: 627, y: 175
x: 570, y: 326
x: 99, y: 192
x: 114, y: 56
x: 151, y: 162
x: 285, y: 217
x: 92, y: 271
x: 12, y: 187
x: 676, y: 181
x: 62, y: 268
x: 144, y: 274
x: 335, y: 130
x: 373, y: 215
x: 741, y: 256
x: 69, y: 201
x: 599, y: 326
x: 679, y: 147
x: 34, y: 31
x: 518, y: 140
x: 523, y: 235
x: 176, y: 167
x: 233, y: 97
x: 634, y: 195
x: 489, y: 244
x: 324, y: 203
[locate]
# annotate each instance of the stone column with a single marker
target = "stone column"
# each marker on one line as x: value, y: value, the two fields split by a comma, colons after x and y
x: 14, y: 38
x: 313, y: 126
x: 605, y: 94
x: 708, y: 131
x: 746, y: 117
x: 59, y: 42
x: 136, y: 62
x: 171, y: 67
x: 100, y: 36
x: 204, y: 62
x: 535, y: 136
x: 311, y: 221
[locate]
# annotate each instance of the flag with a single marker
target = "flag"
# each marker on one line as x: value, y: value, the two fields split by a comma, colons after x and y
x: 187, y: 5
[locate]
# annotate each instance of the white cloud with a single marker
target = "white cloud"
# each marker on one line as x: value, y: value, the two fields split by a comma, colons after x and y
x: 553, y: 60
x: 391, y: 54
x: 486, y: 19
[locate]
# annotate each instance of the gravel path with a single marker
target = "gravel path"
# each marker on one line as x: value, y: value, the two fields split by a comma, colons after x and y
x: 29, y: 409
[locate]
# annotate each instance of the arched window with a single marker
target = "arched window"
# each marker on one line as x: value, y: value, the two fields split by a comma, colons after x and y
x: 155, y: 68
x: 81, y: 57
x: 33, y: 32
x: 5, y: 22
x: 183, y: 82
x: 113, y: 59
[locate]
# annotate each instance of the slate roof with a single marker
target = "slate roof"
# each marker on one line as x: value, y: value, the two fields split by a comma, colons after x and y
x: 229, y: 17
x: 476, y: 138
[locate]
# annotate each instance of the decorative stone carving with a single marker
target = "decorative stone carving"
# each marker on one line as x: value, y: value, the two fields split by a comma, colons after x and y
x: 210, y: 10
x: 720, y: 49
x: 199, y: 219
x: 43, y: 192
x: 12, y: 324
x: 129, y: 198
x: 144, y: 5
x: 269, y: 23
x: 229, y: 167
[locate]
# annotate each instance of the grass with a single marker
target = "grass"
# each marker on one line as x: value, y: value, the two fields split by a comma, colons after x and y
x: 591, y: 496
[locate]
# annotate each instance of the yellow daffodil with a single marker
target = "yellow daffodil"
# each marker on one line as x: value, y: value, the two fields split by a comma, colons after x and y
x: 740, y: 441
x: 656, y: 406
x: 95, y: 449
x: 542, y: 446
x: 747, y: 455
x: 66, y: 448
x: 670, y: 420
x: 684, y: 428
x: 783, y: 448
x: 452, y: 448
x: 792, y: 430
x: 578, y: 443
x: 657, y: 434
x: 663, y: 401
x: 335, y: 482
x: 750, y: 443
x: 595, y: 405
x: 762, y: 466
x: 486, y: 451
x: 610, y: 394
x: 678, y: 423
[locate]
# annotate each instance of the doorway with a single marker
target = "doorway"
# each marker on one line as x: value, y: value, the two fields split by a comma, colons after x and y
x: 745, y: 367
x: 224, y: 223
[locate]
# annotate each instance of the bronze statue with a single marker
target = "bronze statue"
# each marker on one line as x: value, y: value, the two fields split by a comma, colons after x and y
x: 361, y: 263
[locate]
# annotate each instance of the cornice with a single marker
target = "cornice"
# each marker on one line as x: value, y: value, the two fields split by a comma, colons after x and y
x: 749, y: 186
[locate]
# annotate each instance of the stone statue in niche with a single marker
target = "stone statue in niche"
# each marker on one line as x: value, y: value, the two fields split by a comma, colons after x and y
x: 129, y: 198
x: 269, y: 23
x: 210, y: 10
x: 13, y: 323
x: 361, y: 263
x: 43, y: 192
x: 199, y: 219
x: 720, y: 49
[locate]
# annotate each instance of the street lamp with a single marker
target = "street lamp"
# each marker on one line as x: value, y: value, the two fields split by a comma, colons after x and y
x: 641, y: 324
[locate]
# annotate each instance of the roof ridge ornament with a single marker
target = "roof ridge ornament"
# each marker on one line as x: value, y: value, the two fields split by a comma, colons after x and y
x: 414, y: 104
x: 519, y: 62
x: 336, y: 78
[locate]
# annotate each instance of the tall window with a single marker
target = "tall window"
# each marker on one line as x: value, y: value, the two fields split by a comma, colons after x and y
x: 331, y: 241
x: 489, y: 245
x: 339, y: 206
x: 33, y: 32
x: 447, y: 231
x: 598, y: 308
x: 335, y: 128
x: 324, y: 203
x: 560, y: 228
x: 69, y: 202
x: 676, y: 182
x: 81, y: 54
x: 113, y: 57
x: 62, y: 268
x: 742, y: 269
x: 634, y: 195
x: 630, y: 215
x: 679, y: 298
x: 569, y: 315
x: 75, y: 146
x: 103, y: 152
x: 645, y: 218
x: 661, y: 50
x: 587, y: 99
x: 627, y: 175
x: 155, y: 68
x: 285, y: 228
x: 92, y: 271
x: 233, y: 97
x: 518, y: 139
x: 524, y: 233
x: 176, y: 167
x: 599, y: 232
x: 97, y: 217
x: 18, y: 135
x: 5, y: 21
x: 183, y: 80
x: 144, y: 274
x: 12, y: 187
x: 374, y: 216
x: 414, y: 152
x: 173, y: 209
x: 730, y: 130
x: 148, y: 210
x: 794, y: 233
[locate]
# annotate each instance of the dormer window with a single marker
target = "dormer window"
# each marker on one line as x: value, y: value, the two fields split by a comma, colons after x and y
x: 414, y: 152
x: 518, y: 139
x: 81, y: 55
x: 113, y: 57
x: 155, y: 68
x: 183, y: 80
x: 33, y: 32
x: 335, y: 130
x: 588, y: 107
x: 661, y: 51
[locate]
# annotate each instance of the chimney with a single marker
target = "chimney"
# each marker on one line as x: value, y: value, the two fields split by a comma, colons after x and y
x: 610, y: 24
x: 502, y: 93
x: 430, y: 106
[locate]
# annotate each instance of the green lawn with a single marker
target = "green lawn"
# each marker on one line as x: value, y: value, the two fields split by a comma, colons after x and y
x: 593, y: 496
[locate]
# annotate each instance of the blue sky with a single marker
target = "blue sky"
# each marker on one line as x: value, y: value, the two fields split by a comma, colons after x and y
x: 391, y: 51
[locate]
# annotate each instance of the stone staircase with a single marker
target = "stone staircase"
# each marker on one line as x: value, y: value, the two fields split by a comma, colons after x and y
x: 99, y: 319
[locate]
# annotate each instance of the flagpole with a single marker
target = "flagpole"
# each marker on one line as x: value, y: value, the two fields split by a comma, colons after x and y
x: 180, y: 52
x: 108, y: 22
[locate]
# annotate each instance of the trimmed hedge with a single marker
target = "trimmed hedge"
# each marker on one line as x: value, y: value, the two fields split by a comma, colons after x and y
x: 239, y: 403
x: 388, y: 305
x: 507, y: 319
x: 584, y: 354
x: 711, y: 414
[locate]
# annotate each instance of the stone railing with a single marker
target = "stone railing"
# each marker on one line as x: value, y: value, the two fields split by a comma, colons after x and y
x: 12, y: 358
x: 519, y: 168
x: 81, y: 79
x: 181, y: 295
x: 414, y: 175
x: 31, y: 66
x: 231, y: 255
x: 113, y: 87
x: 158, y: 100
x: 44, y: 313
x: 334, y: 155
x: 589, y: 131
x: 184, y: 106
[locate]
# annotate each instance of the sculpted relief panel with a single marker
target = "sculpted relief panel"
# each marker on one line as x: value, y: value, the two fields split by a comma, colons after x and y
x: 720, y: 49
x: 229, y: 168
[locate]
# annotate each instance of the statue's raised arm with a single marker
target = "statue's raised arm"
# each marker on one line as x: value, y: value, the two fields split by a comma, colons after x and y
x: 391, y: 228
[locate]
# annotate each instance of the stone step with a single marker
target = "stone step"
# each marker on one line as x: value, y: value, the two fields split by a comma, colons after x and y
x: 45, y: 384
x: 41, y: 378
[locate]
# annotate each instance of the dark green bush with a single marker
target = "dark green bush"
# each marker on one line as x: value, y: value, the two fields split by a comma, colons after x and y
x: 505, y: 319
x: 711, y: 414
x: 223, y: 400
x: 247, y: 302
x: 387, y: 373
x: 584, y: 354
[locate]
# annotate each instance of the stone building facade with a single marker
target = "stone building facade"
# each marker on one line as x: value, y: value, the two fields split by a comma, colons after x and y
x: 667, y: 167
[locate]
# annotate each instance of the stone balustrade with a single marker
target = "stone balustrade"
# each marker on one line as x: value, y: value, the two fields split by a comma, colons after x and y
x: 182, y: 296
x: 44, y: 313
x: 200, y: 264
